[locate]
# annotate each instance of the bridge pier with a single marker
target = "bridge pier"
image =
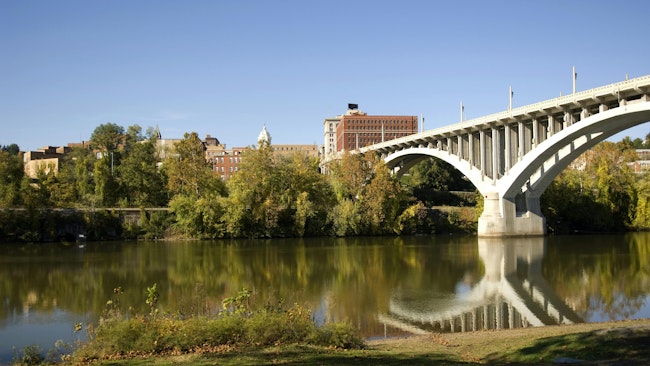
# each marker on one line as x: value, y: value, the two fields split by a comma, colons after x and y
x: 504, y: 217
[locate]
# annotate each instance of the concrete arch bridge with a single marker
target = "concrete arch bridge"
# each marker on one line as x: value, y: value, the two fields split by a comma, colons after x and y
x: 512, y: 157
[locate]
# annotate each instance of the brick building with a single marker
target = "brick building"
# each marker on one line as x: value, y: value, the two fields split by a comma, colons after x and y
x: 356, y: 129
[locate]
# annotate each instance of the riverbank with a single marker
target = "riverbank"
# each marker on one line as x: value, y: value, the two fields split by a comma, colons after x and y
x: 611, y: 343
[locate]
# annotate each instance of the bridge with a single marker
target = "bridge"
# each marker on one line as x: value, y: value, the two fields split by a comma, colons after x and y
x: 511, y: 157
x: 512, y: 294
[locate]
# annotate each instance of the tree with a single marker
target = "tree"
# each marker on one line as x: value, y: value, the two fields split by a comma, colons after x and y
x: 369, y: 197
x: 252, y: 210
x: 11, y: 176
x: 188, y: 171
x: 195, y: 189
x: 12, y: 149
x: 142, y: 183
x: 106, y: 187
x: 603, y: 193
x: 107, y: 137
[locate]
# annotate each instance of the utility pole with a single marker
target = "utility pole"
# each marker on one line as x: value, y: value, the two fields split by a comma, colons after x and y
x: 462, y: 110
x: 511, y: 95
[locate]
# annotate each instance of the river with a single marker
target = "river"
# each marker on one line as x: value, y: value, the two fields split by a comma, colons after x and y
x: 383, y: 286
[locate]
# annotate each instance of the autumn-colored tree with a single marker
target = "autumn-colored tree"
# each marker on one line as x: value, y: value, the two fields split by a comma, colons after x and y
x: 274, y: 196
x: 195, y: 189
x: 369, y: 197
x: 188, y: 171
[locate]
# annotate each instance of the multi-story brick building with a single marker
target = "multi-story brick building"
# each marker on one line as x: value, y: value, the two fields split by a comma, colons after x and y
x: 356, y: 129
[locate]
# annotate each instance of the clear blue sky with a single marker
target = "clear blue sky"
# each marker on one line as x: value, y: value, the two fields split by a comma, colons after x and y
x: 226, y: 68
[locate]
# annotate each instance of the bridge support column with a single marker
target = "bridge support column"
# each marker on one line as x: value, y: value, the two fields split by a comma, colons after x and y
x: 502, y: 217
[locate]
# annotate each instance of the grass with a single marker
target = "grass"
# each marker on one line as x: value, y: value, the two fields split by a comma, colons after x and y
x: 617, y: 344
x: 599, y: 343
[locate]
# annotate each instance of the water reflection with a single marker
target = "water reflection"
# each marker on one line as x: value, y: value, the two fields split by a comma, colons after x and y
x: 512, y: 294
x: 417, y: 283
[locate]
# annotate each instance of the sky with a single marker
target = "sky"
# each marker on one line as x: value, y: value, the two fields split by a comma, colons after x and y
x: 227, y: 68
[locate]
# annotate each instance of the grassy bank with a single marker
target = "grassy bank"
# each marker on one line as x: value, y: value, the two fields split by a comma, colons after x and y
x: 599, y: 343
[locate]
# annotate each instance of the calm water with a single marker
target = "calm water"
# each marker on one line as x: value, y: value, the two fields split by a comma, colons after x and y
x: 384, y: 286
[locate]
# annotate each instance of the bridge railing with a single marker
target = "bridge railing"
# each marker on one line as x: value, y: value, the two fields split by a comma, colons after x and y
x: 575, y: 98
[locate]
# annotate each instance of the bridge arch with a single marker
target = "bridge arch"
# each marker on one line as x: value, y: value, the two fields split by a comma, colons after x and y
x: 403, y: 160
x: 512, y: 199
x: 540, y: 166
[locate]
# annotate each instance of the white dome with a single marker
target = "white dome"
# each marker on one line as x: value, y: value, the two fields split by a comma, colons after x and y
x: 264, y: 137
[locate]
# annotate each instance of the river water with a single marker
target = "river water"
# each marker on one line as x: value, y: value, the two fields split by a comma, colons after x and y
x: 383, y: 286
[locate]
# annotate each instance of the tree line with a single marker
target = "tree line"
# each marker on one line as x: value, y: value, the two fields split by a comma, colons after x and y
x: 274, y: 196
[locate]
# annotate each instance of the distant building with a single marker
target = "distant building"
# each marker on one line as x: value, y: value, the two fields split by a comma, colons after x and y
x: 225, y: 162
x: 287, y: 150
x: 642, y: 164
x: 329, y: 134
x: 45, y: 159
x: 356, y: 129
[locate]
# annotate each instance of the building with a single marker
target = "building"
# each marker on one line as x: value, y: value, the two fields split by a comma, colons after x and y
x: 288, y: 150
x: 45, y: 159
x: 329, y: 134
x: 356, y: 129
x: 225, y: 162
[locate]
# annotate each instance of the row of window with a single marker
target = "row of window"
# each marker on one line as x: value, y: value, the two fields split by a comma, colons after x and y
x: 377, y: 122
x: 223, y: 170
x: 374, y: 128
x: 220, y: 160
x: 220, y: 153
x: 378, y: 134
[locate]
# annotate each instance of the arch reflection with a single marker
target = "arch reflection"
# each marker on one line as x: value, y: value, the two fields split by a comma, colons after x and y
x: 512, y: 294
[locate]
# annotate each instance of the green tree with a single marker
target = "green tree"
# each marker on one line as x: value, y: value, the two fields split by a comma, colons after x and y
x: 11, y: 177
x: 252, y: 209
x: 370, y: 198
x: 188, y: 171
x: 615, y: 182
x: 142, y: 183
x: 277, y: 196
x: 603, y: 193
x: 195, y: 189
x: 107, y: 138
x: 106, y: 188
x: 381, y: 200
x: 12, y: 149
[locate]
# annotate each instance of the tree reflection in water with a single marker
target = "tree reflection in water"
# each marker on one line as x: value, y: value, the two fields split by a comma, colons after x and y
x: 351, y: 280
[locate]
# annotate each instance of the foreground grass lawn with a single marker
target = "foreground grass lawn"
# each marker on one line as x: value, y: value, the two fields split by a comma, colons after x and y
x: 600, y: 343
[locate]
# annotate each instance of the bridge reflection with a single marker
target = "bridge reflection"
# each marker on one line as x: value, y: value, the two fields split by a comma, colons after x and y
x: 512, y: 294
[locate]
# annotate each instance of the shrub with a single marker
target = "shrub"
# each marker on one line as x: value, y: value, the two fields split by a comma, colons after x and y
x: 336, y: 335
x: 238, y: 326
